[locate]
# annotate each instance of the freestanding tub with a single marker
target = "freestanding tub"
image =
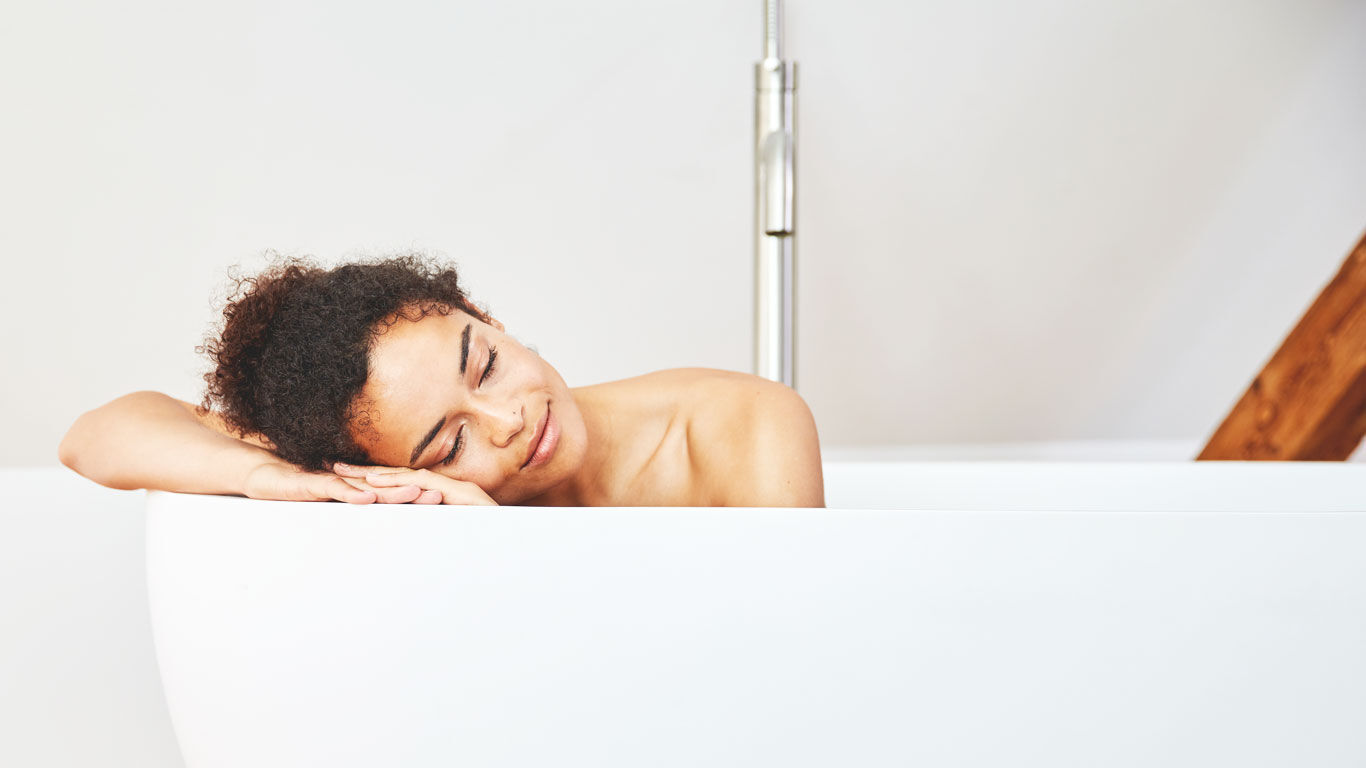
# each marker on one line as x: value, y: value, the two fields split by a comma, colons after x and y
x: 961, y: 613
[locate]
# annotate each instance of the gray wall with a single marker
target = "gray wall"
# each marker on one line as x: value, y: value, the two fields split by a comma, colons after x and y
x: 1018, y: 221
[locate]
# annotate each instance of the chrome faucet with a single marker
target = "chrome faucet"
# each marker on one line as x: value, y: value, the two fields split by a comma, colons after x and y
x: 775, y: 92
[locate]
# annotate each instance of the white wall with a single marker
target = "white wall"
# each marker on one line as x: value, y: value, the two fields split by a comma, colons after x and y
x: 78, y: 675
x: 1017, y: 221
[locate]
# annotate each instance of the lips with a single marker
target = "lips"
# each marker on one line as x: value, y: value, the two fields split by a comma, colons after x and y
x: 537, y: 437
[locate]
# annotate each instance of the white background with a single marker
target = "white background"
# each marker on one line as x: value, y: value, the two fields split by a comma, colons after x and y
x: 1017, y: 221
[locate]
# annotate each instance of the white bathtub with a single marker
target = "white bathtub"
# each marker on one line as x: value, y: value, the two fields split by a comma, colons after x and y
x: 939, y: 613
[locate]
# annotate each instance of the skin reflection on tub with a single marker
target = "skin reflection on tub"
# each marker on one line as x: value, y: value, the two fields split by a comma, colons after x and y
x: 964, y: 613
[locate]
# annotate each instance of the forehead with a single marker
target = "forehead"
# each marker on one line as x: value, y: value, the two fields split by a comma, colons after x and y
x: 409, y: 342
x: 413, y: 379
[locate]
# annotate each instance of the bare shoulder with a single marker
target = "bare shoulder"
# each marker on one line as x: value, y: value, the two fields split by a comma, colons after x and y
x: 690, y: 377
x: 752, y: 441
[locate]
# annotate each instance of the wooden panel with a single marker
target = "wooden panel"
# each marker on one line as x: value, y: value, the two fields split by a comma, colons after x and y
x: 1309, y: 402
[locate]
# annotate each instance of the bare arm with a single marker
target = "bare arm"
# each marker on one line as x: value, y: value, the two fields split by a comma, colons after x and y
x: 151, y: 440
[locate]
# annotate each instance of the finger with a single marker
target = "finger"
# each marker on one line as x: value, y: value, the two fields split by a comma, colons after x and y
x: 428, y: 497
x: 336, y: 488
x: 403, y: 494
x: 395, y: 494
x: 354, y: 470
x: 358, y: 484
x: 388, y: 480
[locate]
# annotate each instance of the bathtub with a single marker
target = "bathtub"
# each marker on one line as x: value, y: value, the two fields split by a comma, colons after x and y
x: 937, y: 613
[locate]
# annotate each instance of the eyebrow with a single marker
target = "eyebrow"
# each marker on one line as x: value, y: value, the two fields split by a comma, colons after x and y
x: 464, y: 361
x: 465, y: 348
x: 426, y: 442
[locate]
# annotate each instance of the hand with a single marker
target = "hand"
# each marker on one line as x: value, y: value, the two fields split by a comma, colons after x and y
x: 396, y: 494
x: 445, y: 490
x: 278, y: 481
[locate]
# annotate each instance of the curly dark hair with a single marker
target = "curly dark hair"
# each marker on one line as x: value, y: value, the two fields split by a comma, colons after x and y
x: 292, y: 353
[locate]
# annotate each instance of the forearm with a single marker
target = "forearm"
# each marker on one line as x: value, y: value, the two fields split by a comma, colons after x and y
x: 151, y: 440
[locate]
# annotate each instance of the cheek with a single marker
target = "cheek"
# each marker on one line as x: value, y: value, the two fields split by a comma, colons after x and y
x: 483, y: 472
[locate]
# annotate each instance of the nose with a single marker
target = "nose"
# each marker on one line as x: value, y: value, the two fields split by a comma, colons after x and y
x: 503, y: 420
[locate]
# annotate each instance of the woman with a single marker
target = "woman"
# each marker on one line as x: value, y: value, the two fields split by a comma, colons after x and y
x: 382, y: 381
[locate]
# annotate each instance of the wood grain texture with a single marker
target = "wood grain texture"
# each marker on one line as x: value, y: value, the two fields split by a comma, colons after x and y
x: 1309, y: 402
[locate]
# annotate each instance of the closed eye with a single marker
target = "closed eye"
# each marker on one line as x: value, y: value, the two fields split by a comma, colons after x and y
x: 488, y: 369
x: 460, y: 436
x: 455, y: 448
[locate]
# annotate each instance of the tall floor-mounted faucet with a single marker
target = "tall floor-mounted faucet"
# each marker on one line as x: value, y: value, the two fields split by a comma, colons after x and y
x: 775, y: 95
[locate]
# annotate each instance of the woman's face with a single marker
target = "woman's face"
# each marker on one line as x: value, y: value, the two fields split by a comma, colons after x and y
x: 456, y: 395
